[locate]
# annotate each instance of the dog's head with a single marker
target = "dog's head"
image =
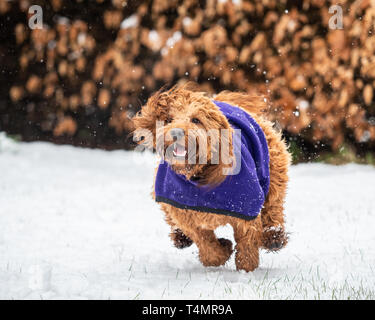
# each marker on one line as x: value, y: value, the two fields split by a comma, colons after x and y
x: 189, y: 132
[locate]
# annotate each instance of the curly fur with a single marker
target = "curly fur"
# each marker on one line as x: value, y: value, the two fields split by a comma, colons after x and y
x: 177, y: 107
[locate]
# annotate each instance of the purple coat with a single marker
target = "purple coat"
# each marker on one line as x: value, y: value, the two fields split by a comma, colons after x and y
x: 241, y: 195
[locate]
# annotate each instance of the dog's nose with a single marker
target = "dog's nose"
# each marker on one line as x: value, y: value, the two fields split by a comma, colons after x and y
x: 177, y: 133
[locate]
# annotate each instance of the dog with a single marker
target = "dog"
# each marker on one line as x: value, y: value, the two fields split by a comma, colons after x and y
x: 197, y: 196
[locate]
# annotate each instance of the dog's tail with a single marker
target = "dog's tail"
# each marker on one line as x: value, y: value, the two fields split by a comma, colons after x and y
x: 254, y: 104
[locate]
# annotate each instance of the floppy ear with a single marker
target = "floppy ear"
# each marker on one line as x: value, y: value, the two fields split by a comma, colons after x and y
x: 217, y: 119
x: 146, y: 117
x: 225, y: 137
x: 156, y: 108
x: 145, y: 121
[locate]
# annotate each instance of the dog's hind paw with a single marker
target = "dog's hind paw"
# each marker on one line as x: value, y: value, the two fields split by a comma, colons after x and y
x: 274, y: 238
x: 180, y: 240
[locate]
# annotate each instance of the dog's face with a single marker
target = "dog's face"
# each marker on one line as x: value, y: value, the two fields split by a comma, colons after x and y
x: 187, y: 129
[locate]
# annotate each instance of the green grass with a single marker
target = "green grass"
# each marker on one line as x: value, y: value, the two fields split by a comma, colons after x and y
x: 345, y: 154
x: 14, y: 137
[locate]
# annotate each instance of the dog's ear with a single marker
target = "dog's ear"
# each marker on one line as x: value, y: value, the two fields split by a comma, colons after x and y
x: 190, y: 86
x: 216, y: 118
x: 145, y: 121
x: 146, y: 118
x: 225, y: 145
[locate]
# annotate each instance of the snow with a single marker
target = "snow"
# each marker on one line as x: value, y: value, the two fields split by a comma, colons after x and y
x: 303, y: 105
x: 81, y: 39
x: 153, y: 36
x: 80, y: 224
x: 186, y: 21
x: 171, y: 41
x: 130, y: 22
x: 177, y: 36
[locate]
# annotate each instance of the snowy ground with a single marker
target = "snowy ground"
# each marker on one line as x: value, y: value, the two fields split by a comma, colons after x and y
x: 80, y: 224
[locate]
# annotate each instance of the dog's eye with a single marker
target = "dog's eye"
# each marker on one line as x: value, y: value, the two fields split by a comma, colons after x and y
x: 168, y: 120
x: 195, y: 120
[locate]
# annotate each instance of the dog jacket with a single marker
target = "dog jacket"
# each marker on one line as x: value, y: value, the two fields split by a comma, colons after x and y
x: 241, y: 195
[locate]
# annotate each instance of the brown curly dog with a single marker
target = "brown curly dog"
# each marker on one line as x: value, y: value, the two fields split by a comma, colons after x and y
x: 182, y: 108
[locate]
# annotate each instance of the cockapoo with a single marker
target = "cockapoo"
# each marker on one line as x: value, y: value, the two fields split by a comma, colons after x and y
x: 222, y: 162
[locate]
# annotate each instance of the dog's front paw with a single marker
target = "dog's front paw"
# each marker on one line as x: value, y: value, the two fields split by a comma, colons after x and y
x: 227, y: 244
x: 274, y: 238
x: 180, y: 240
x: 217, y: 255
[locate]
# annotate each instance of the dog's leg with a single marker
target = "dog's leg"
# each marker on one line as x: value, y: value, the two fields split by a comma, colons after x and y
x: 247, y: 235
x: 212, y: 251
x: 274, y: 236
x: 180, y: 240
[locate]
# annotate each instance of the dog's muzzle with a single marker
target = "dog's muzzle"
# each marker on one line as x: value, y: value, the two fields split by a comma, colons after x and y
x: 177, y: 133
